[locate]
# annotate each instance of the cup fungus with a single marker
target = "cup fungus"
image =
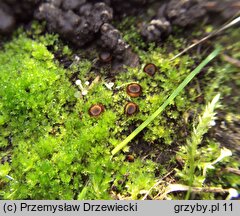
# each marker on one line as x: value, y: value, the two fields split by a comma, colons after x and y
x: 96, y: 110
x: 134, y: 90
x: 150, y: 69
x: 130, y: 158
x: 131, y: 108
x: 105, y: 57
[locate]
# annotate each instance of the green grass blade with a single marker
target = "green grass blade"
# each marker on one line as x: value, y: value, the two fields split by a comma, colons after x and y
x: 167, y: 102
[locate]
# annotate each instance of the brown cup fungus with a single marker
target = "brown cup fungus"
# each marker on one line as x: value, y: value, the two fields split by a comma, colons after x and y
x: 134, y: 90
x: 130, y: 158
x: 150, y: 69
x: 96, y: 110
x: 105, y: 57
x: 131, y: 108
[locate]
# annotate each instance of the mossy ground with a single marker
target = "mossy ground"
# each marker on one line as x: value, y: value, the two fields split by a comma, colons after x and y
x: 58, y: 151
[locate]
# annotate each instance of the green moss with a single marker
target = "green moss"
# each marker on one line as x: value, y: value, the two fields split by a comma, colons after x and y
x: 60, y: 152
x: 30, y: 89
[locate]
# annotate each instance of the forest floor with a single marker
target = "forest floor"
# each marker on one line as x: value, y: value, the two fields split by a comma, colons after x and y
x: 64, y: 109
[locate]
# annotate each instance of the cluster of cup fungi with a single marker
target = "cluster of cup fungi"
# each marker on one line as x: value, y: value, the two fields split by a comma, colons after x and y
x: 134, y: 90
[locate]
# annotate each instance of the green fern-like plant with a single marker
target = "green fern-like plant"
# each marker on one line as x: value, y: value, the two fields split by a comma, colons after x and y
x: 190, y: 151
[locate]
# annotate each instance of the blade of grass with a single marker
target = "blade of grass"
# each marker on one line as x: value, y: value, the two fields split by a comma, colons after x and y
x: 167, y: 102
x: 212, y: 34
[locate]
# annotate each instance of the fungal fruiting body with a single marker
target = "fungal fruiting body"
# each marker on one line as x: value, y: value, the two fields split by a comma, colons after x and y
x: 130, y: 158
x: 134, y: 90
x: 150, y: 69
x: 96, y: 110
x: 105, y: 57
x: 131, y: 108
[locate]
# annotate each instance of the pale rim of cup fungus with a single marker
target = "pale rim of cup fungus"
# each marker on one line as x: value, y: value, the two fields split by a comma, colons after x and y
x: 96, y: 109
x: 105, y: 57
x: 131, y: 108
x: 134, y: 90
x: 150, y: 69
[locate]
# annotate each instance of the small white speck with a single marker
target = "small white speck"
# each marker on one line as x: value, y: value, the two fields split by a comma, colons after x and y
x: 225, y: 152
x: 87, y: 83
x: 84, y: 92
x: 151, y: 28
x: 156, y: 22
x: 77, y: 58
x: 9, y: 177
x: 233, y: 192
x: 109, y: 85
x: 78, y: 82
x: 212, y: 123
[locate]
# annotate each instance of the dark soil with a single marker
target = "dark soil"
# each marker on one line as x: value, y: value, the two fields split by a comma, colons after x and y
x: 83, y: 22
